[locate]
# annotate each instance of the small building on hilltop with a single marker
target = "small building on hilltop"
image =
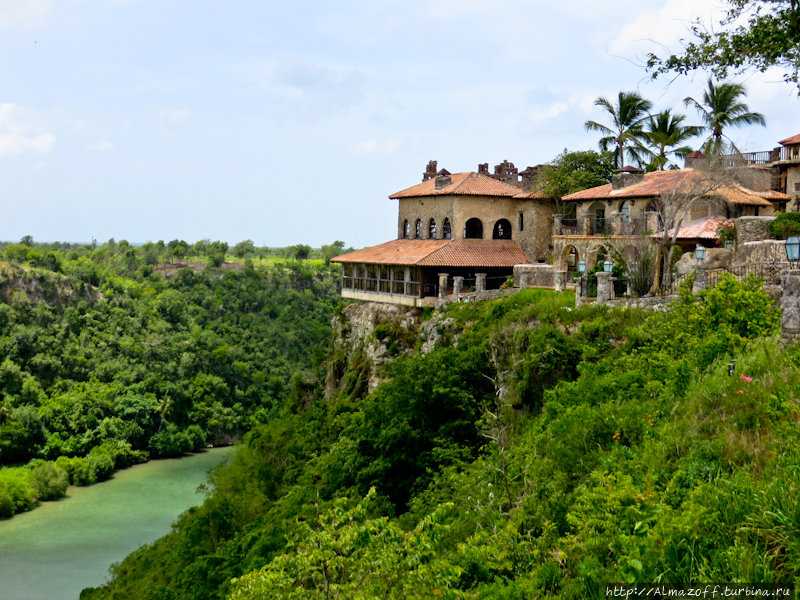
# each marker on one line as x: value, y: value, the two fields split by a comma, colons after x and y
x: 472, y: 225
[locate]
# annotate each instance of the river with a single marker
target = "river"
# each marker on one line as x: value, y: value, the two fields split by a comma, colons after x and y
x: 59, y: 548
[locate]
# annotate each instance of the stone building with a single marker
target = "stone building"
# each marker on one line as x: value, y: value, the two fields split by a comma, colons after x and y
x: 472, y: 225
x: 627, y: 211
x: 783, y: 163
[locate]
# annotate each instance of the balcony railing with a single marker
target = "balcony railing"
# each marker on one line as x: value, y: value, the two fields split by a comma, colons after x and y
x: 569, y: 227
x: 764, y: 157
x: 598, y: 227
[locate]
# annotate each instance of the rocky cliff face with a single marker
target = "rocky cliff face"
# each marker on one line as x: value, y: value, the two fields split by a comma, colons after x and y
x: 367, y: 335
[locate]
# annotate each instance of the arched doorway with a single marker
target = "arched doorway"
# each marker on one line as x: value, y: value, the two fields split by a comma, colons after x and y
x: 597, y: 218
x: 502, y: 230
x: 569, y: 259
x: 473, y: 229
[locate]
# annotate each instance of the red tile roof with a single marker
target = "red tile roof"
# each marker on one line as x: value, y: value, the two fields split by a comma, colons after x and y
x: 440, y: 253
x: 664, y: 182
x: 462, y: 184
x: 705, y: 228
x: 791, y: 141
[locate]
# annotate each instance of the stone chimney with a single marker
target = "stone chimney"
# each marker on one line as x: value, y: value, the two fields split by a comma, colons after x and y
x: 430, y: 171
x: 507, y: 173
x: 626, y: 176
x: 483, y: 169
x: 442, y: 179
x: 695, y: 160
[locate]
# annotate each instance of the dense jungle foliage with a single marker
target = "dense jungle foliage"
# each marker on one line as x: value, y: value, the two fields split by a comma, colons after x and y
x: 539, y: 451
x: 105, y: 361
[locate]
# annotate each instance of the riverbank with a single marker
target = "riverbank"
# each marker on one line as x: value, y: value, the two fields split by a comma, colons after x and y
x: 64, y: 546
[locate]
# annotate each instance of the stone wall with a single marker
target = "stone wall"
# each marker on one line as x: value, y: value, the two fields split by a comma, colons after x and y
x: 538, y: 275
x: 753, y: 229
x: 437, y: 208
x: 475, y: 296
x: 765, y: 251
x: 790, y: 307
x: 653, y: 303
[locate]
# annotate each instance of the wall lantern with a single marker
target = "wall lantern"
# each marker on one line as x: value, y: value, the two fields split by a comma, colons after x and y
x: 607, y: 265
x: 729, y: 244
x: 793, y: 248
x: 581, y: 266
x: 700, y: 253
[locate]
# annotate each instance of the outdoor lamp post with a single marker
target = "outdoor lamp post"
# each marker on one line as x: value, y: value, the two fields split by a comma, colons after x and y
x: 607, y: 265
x: 700, y: 252
x: 793, y: 248
x: 581, y: 266
x: 729, y: 244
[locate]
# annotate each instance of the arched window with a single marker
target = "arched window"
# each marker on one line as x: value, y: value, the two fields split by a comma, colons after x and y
x: 502, y: 230
x: 446, y: 232
x: 473, y: 229
x: 418, y: 229
x: 625, y: 209
x: 406, y: 229
x: 571, y: 256
x: 432, y: 229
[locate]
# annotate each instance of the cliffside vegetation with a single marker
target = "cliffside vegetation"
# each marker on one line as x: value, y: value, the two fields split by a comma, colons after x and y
x: 105, y: 362
x: 537, y: 451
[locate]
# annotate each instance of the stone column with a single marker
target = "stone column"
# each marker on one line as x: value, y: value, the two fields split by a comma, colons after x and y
x: 578, y: 288
x: 614, y: 224
x: 790, y: 306
x: 584, y: 225
x: 407, y: 282
x: 700, y: 279
x: 560, y: 280
x: 604, y: 287
x: 557, y: 224
x: 480, y: 282
x: 443, y: 285
x: 458, y: 284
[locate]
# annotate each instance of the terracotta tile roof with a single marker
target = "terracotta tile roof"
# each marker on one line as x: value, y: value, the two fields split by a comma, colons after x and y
x: 663, y: 182
x: 462, y: 184
x: 705, y: 228
x: 396, y: 252
x: 791, y: 141
x: 476, y: 253
x: 440, y: 253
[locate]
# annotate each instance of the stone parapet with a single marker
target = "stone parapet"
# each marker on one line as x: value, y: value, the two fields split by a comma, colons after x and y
x: 534, y: 275
x: 753, y: 229
x: 790, y: 306
x: 605, y: 288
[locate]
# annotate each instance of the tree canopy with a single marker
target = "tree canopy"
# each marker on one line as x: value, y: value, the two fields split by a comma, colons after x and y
x: 768, y: 37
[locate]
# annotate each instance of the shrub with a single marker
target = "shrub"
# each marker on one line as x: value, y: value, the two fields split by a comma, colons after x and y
x: 785, y: 225
x: 49, y: 481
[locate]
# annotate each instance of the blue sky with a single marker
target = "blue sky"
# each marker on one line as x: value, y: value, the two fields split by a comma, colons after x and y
x: 291, y: 122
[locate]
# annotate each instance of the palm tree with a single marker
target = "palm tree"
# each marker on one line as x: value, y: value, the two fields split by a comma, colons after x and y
x: 722, y: 108
x: 665, y: 134
x: 627, y: 119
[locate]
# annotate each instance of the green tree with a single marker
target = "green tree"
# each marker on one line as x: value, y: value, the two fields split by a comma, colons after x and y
x: 345, y: 554
x: 666, y: 134
x: 571, y: 172
x: 770, y: 37
x: 625, y: 135
x: 330, y: 251
x: 244, y: 248
x: 721, y: 109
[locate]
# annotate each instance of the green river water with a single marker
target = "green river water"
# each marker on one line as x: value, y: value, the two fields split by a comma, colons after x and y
x: 56, y: 550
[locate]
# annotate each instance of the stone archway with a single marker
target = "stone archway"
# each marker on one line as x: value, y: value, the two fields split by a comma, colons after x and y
x: 502, y: 230
x: 569, y: 259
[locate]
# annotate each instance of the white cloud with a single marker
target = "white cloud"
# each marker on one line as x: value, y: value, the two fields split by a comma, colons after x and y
x: 651, y: 31
x: 173, y: 116
x: 544, y: 113
x: 23, y: 130
x: 375, y: 147
x: 102, y: 147
x: 24, y: 13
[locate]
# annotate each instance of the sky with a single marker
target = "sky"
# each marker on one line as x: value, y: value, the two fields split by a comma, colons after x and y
x: 292, y: 122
